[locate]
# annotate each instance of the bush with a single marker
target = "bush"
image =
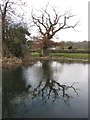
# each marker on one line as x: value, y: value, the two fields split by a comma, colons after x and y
x: 70, y: 47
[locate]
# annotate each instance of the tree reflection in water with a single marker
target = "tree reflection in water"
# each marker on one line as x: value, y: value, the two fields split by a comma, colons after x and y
x: 12, y: 87
x: 51, y: 88
x: 48, y: 88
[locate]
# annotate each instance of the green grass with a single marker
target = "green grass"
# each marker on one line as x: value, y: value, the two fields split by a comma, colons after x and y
x: 35, y: 54
x: 70, y: 55
x: 65, y: 55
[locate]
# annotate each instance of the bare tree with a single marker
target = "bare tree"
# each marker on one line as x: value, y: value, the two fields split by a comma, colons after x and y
x: 49, y: 25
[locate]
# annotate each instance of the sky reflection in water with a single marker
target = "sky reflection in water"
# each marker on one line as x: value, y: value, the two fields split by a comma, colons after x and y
x: 47, y: 87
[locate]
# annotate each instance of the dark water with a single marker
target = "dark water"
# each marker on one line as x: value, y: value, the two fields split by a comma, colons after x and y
x: 46, y: 90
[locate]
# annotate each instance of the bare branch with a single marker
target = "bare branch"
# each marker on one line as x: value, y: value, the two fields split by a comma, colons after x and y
x: 53, y: 25
x: 49, y: 24
x: 72, y: 26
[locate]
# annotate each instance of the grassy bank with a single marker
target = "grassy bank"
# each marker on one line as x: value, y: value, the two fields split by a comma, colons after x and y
x: 66, y: 55
x: 70, y: 55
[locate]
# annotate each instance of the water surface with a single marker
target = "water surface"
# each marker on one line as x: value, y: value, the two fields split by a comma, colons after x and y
x: 47, y: 89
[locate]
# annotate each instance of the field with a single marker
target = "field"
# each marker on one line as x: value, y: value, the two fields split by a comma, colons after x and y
x: 71, y: 55
x: 65, y: 55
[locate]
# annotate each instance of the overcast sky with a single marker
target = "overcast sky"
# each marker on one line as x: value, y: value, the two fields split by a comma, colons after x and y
x: 78, y: 7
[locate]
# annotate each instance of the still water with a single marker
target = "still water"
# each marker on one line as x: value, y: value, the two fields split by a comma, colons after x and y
x: 47, y: 89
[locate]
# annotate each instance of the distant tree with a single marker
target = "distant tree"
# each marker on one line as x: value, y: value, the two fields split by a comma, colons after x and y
x: 70, y: 47
x: 62, y: 48
x: 48, y: 25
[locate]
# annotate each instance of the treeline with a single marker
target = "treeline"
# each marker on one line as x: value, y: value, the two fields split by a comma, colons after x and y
x: 77, y: 46
x: 72, y: 47
x: 69, y: 51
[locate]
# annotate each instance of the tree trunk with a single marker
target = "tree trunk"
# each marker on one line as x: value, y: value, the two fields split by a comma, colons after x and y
x: 5, y: 50
x: 45, y: 52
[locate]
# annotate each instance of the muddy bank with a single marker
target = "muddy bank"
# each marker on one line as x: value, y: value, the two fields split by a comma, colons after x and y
x: 14, y: 62
x: 11, y: 62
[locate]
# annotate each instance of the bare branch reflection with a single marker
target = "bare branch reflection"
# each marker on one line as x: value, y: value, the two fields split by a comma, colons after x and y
x: 48, y: 88
x: 17, y: 92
